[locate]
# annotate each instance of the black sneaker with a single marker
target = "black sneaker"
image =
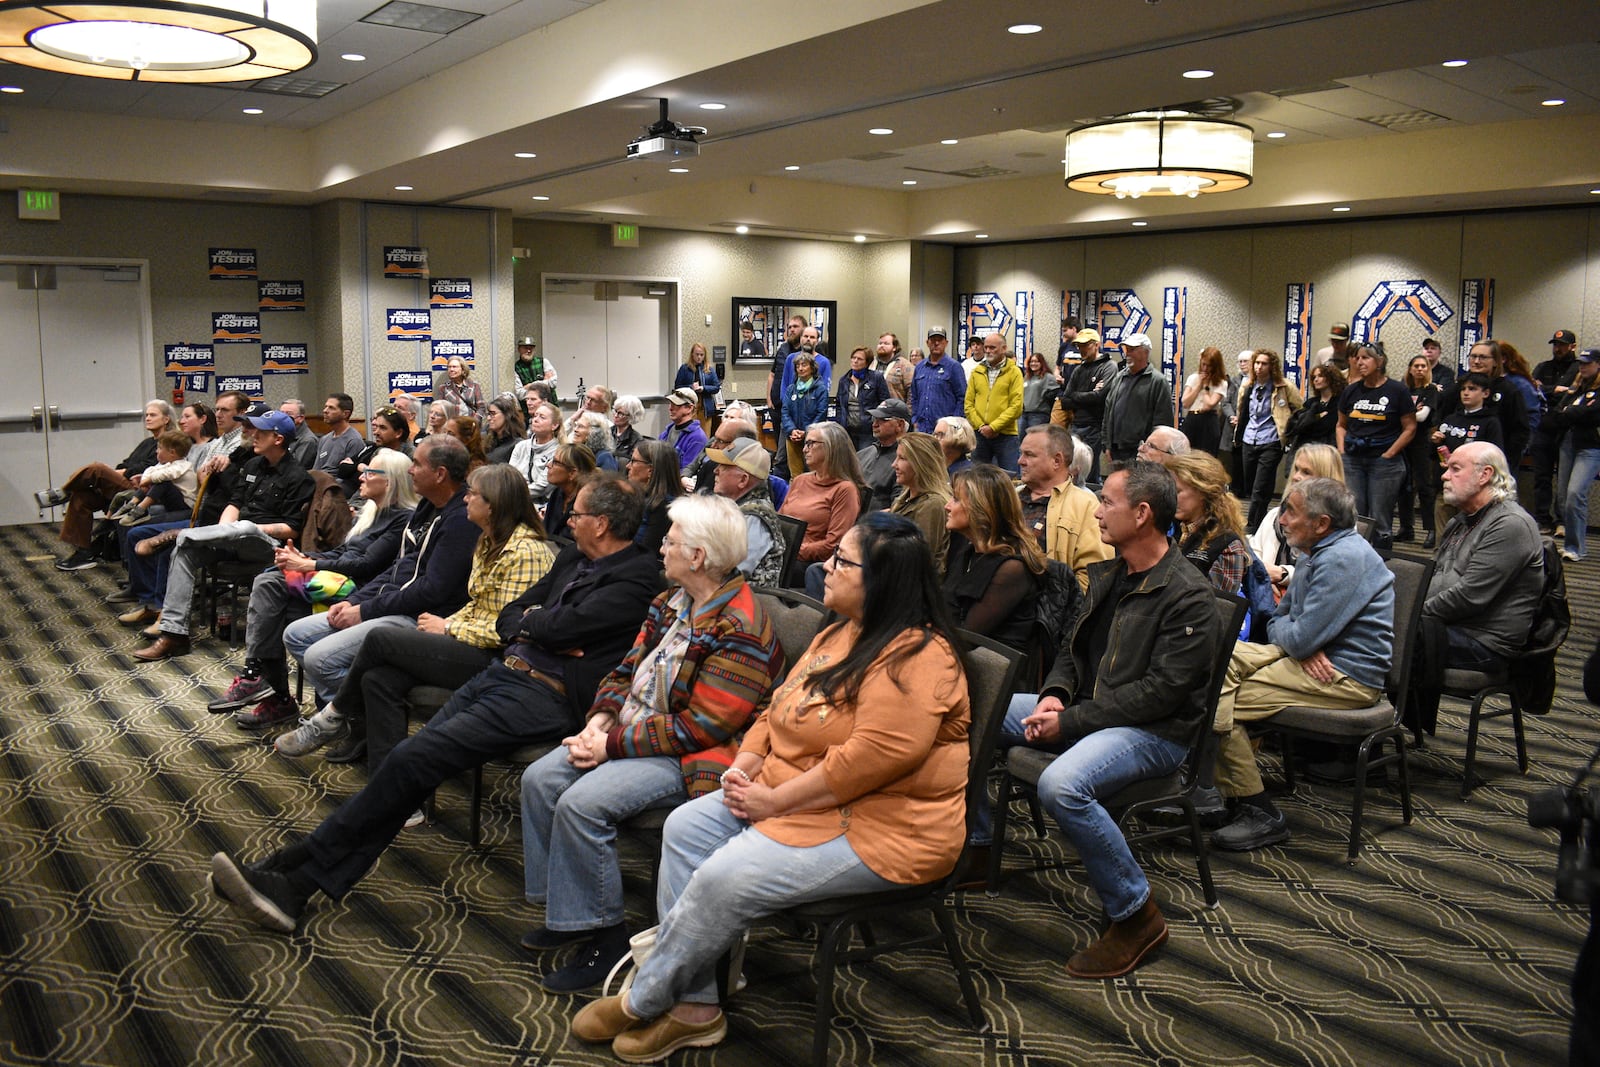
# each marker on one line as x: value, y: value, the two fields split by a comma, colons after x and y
x: 352, y: 749
x: 266, y: 898
x: 1252, y: 828
x: 81, y: 560
x: 269, y: 712
x: 592, y: 963
x: 243, y: 692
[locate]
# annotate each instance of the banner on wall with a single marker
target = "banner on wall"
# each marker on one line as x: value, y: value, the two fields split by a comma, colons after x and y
x: 281, y: 296
x: 1091, y: 308
x: 251, y: 385
x: 1072, y: 305
x: 1120, y: 312
x: 1174, y: 325
x: 236, y: 327
x: 405, y: 261
x: 417, y: 384
x: 983, y: 314
x: 1024, y: 332
x: 285, y: 359
x: 1411, y: 296
x: 1297, y: 332
x: 445, y: 351
x: 182, y: 358
x: 1477, y: 315
x: 410, y: 324
x: 233, y: 264
x: 450, y: 293
x: 194, y: 382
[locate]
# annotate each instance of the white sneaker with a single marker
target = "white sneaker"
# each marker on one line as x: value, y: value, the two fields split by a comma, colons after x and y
x: 1571, y: 556
x: 326, y: 726
x: 418, y: 817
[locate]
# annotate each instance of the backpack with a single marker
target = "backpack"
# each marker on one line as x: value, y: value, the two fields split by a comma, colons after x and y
x: 1256, y: 590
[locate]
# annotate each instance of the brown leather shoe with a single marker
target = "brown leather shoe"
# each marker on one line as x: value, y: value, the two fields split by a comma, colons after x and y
x: 166, y: 646
x: 138, y: 616
x: 603, y: 1020
x: 153, y: 630
x: 666, y: 1034
x: 1122, y: 947
x: 151, y: 545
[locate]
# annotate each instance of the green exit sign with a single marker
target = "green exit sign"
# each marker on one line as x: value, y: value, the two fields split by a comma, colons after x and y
x: 624, y: 235
x: 38, y: 204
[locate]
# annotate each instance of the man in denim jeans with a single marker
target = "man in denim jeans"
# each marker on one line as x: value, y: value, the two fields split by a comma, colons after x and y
x: 1124, y: 700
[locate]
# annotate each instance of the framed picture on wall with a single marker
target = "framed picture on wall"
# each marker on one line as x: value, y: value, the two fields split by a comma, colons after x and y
x: 767, y: 317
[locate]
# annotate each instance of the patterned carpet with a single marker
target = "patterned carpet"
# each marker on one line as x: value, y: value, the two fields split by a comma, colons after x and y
x: 1443, y: 946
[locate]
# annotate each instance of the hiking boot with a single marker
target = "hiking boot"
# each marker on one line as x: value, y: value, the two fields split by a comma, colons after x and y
x: 1123, y: 946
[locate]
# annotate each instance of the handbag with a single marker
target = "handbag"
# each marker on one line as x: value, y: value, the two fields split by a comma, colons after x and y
x: 643, y: 943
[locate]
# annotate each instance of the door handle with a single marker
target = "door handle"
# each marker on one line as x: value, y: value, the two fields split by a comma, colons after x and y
x: 55, y: 417
x: 38, y: 418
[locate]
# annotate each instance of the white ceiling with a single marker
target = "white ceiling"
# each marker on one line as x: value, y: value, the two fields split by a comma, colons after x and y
x: 574, y: 81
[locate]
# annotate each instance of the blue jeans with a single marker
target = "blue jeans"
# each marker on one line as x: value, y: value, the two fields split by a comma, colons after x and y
x: 718, y: 876
x: 1001, y: 450
x: 325, y: 654
x: 569, y: 831
x: 1574, y: 479
x: 1030, y: 419
x: 1375, y: 482
x: 147, y: 575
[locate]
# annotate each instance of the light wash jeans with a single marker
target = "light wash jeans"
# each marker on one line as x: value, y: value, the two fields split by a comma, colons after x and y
x: 325, y: 654
x: 718, y: 876
x: 569, y: 831
x: 1574, y: 479
x: 198, y: 547
x: 1097, y: 766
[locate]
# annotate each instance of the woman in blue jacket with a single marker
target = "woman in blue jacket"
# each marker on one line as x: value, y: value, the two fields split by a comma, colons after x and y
x: 860, y: 390
x: 697, y: 373
x: 805, y: 402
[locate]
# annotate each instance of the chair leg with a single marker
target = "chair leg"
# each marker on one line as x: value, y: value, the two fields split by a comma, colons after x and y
x: 1363, y: 751
x: 997, y: 829
x: 1202, y: 857
x: 1040, y: 830
x: 958, y: 961
x: 827, y: 962
x: 1516, y: 729
x: 1286, y: 754
x: 475, y: 820
x: 1405, y: 778
x: 1467, y: 783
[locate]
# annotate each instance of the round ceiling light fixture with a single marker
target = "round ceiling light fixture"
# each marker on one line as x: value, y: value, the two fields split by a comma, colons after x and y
x: 192, y: 42
x: 1160, y: 153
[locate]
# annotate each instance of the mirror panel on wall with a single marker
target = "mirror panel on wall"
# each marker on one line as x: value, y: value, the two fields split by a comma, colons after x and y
x: 769, y: 315
x: 617, y: 332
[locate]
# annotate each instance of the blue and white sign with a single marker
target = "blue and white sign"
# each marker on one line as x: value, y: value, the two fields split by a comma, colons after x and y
x: 285, y: 359
x: 1297, y: 331
x: 1411, y: 296
x: 251, y: 385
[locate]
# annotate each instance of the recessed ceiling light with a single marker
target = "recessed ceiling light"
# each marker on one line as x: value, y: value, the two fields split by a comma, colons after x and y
x: 1454, y: 63
x: 949, y: 140
x: 880, y: 131
x: 792, y: 166
x: 538, y: 196
x: 1277, y: 135
x: 1024, y: 28
x: 403, y: 188
x: 861, y: 238
x: 909, y: 181
x: 980, y: 236
x: 741, y: 229
x: 1140, y: 222
x: 1342, y: 208
x: 712, y: 105
x: 526, y: 155
x: 1554, y: 101
x: 10, y: 89
x: 252, y: 111
x: 1198, y: 74
x: 354, y: 57
x: 677, y: 170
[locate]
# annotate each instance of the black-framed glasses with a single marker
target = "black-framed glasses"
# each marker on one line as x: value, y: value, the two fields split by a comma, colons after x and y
x: 576, y: 514
x: 840, y: 560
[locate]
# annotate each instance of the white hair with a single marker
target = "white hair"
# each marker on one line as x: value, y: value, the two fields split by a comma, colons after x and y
x: 715, y: 525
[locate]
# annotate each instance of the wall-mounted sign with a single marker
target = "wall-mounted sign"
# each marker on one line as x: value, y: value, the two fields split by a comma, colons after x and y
x: 1120, y: 312
x: 410, y: 324
x: 1297, y: 331
x: 181, y: 358
x: 417, y: 384
x: 405, y: 261
x: 624, y: 235
x: 281, y: 296
x: 1174, y: 325
x: 1477, y: 315
x: 445, y: 351
x: 450, y: 293
x: 251, y: 385
x: 285, y: 359
x: 233, y: 264
x: 39, y: 204
x: 195, y: 382
x: 1412, y: 296
x: 236, y: 327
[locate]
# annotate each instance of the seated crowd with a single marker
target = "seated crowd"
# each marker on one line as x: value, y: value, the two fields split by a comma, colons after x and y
x: 577, y: 584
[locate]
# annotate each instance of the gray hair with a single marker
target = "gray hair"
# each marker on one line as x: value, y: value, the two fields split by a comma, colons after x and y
x: 715, y: 525
x: 1170, y: 440
x: 594, y: 431
x: 299, y: 406
x: 1082, y: 460
x: 630, y: 406
x: 962, y: 435
x: 1485, y: 455
x: 166, y: 409
x: 1326, y: 497
x: 446, y: 453
x: 742, y: 411
x: 1378, y: 354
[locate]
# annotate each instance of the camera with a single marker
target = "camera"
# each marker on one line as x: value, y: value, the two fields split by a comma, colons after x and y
x: 1575, y: 814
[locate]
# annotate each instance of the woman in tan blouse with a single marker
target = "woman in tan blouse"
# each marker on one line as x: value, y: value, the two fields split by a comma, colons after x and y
x: 852, y: 782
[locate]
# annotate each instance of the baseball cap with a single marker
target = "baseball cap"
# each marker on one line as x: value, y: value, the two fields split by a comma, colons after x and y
x: 275, y: 421
x: 1087, y: 335
x: 744, y: 453
x: 682, y: 396
x: 1339, y: 331
x: 1565, y: 337
x: 1589, y: 355
x: 255, y: 410
x: 937, y: 331
x: 1134, y: 340
x: 892, y: 408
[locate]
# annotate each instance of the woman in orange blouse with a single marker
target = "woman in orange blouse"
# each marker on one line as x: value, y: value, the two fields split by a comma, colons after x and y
x: 852, y: 782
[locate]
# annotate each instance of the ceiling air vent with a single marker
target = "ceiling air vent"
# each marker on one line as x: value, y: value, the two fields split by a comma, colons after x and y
x: 289, y: 85
x: 1303, y: 90
x: 874, y: 157
x: 1406, y: 121
x: 424, y: 17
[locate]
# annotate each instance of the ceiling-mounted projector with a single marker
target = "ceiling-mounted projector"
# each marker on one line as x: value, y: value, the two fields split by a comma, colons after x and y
x: 666, y: 141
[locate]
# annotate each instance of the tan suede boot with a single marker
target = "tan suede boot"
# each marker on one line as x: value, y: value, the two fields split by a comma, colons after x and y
x: 1122, y: 947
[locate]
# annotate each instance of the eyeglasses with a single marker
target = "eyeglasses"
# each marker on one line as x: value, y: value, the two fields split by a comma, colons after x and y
x: 639, y: 460
x: 576, y: 514
x: 809, y: 443
x: 838, y: 559
x: 1146, y: 446
x: 370, y: 472
x: 564, y: 466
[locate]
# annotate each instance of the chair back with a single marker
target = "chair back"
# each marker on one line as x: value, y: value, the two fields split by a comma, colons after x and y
x: 796, y: 618
x: 794, y: 531
x: 1411, y: 578
x: 1231, y: 611
x: 991, y: 670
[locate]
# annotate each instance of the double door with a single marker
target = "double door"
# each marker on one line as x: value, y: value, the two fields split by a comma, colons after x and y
x: 76, y: 369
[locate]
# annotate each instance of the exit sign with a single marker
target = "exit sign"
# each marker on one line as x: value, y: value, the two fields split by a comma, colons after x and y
x: 624, y: 235
x: 39, y: 204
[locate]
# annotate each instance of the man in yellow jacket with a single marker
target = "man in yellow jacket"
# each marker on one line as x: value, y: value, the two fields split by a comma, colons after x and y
x: 1060, y: 514
x: 994, y: 404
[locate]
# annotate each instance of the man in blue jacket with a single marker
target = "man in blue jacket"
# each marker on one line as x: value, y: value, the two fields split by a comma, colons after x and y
x: 1332, y: 642
x: 939, y: 385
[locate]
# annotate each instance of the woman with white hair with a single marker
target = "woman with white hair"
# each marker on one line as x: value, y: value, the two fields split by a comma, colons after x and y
x: 957, y: 439
x: 591, y: 429
x: 662, y: 730
x: 626, y: 414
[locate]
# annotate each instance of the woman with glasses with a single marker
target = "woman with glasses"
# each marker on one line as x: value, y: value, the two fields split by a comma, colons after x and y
x: 805, y: 403
x: 592, y: 430
x: 924, y: 491
x: 506, y: 426
x: 956, y: 439
x: 827, y: 497
x: 456, y: 386
x: 571, y: 467
x: 654, y: 469
x: 439, y: 413
x: 626, y: 414
x: 532, y: 455
x: 852, y: 782
x: 663, y: 728
x: 1377, y: 420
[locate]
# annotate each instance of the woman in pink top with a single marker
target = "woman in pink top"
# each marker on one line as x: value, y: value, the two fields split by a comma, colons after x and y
x: 827, y: 498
